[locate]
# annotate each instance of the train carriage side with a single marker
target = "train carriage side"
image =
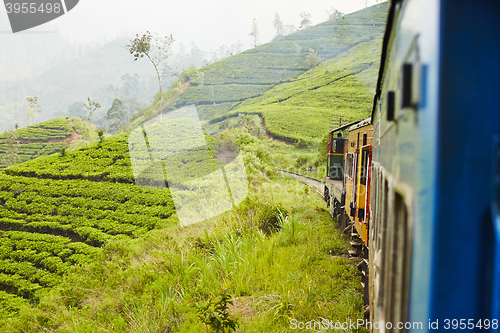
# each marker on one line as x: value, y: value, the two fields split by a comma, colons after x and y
x: 334, y: 179
x: 356, y: 184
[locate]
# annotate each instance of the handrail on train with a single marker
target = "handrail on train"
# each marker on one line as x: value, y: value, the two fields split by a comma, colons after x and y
x: 345, y: 126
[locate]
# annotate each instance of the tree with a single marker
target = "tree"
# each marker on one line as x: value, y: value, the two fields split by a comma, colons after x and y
x: 333, y: 14
x: 77, y: 109
x: 131, y: 106
x: 306, y: 20
x: 131, y: 85
x: 11, y: 145
x: 278, y: 25
x: 200, y: 77
x: 313, y: 60
x: 255, y: 33
x: 92, y: 106
x: 32, y: 109
x: 100, y: 134
x: 157, y: 49
x: 116, y: 115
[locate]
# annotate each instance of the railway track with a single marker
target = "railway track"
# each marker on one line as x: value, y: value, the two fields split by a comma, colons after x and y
x: 316, y: 184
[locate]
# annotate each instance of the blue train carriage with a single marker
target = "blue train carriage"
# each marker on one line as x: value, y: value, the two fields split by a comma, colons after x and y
x: 435, y: 227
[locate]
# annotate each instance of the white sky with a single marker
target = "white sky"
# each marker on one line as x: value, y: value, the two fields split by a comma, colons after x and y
x: 209, y: 23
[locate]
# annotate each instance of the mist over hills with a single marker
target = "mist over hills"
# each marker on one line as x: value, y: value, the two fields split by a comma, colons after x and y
x: 282, y: 82
x: 101, y: 72
x: 97, y: 74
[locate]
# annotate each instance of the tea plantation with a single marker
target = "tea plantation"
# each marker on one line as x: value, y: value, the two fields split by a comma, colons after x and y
x: 57, y: 211
x: 276, y: 81
x: 37, y: 140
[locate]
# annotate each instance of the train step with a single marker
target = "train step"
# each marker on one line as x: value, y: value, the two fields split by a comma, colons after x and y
x: 366, y: 314
x: 356, y: 244
x: 363, y: 265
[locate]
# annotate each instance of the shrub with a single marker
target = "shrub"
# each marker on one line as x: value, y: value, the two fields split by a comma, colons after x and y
x: 269, y: 218
x: 302, y: 160
x: 302, y: 143
x: 100, y: 134
x: 187, y: 73
x: 214, y: 313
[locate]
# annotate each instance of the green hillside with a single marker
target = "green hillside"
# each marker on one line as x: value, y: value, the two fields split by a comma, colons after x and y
x: 275, y: 80
x: 77, y: 211
x: 338, y: 87
x: 83, y: 249
x: 57, y: 211
x: 42, y: 139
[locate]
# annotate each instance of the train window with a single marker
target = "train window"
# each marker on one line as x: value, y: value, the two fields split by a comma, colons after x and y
x: 349, y: 165
x: 401, y: 259
x: 391, y: 96
x: 385, y: 289
x: 407, y: 85
x: 364, y: 166
x: 365, y: 139
x: 330, y: 144
x: 339, y: 145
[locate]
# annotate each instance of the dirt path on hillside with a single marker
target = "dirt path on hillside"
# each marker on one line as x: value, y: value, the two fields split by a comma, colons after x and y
x: 69, y: 139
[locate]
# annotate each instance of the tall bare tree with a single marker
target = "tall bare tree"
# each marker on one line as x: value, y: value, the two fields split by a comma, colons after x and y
x: 32, y: 109
x: 306, y: 20
x: 278, y: 25
x: 255, y: 33
x: 313, y: 60
x: 92, y: 106
x: 157, y: 49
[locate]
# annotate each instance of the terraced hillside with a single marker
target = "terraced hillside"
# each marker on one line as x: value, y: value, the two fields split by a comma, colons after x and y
x: 41, y: 139
x: 276, y: 81
x: 302, y: 108
x: 57, y: 211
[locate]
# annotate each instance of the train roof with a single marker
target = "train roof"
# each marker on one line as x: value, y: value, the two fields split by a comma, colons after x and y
x: 385, y: 47
x: 360, y: 124
x: 345, y: 126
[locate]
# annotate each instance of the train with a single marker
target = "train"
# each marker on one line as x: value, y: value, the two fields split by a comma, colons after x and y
x: 417, y: 185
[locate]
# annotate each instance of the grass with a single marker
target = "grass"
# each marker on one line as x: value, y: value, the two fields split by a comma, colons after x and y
x: 84, y: 249
x: 278, y: 258
x: 150, y: 284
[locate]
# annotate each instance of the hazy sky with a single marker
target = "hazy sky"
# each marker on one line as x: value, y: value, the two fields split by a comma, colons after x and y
x: 209, y: 23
